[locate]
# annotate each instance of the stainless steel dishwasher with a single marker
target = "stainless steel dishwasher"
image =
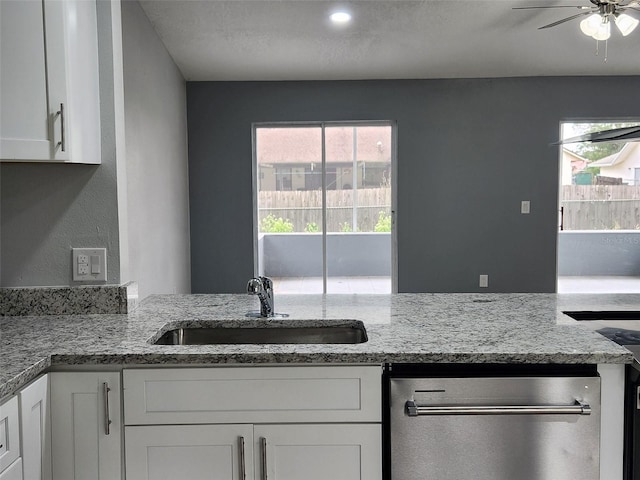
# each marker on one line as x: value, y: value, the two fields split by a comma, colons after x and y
x: 529, y: 427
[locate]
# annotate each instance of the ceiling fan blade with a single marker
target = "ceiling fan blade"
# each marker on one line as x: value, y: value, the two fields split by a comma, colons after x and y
x: 581, y: 7
x: 565, y: 20
x: 624, y: 134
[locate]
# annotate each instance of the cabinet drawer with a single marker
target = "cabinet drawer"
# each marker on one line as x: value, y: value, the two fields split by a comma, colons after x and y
x: 9, y: 433
x: 252, y: 395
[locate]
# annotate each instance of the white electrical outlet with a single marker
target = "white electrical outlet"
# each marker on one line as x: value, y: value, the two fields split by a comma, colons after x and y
x: 484, y: 281
x: 89, y: 264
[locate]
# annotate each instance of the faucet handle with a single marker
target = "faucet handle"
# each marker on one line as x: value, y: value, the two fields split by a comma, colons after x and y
x: 255, y: 286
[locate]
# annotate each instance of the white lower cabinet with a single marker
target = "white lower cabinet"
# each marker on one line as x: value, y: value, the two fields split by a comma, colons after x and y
x: 36, y: 430
x: 86, y: 425
x: 253, y: 423
x: 14, y: 472
x: 194, y: 452
x: 25, y: 437
x: 318, y: 452
x: 10, y: 461
x: 253, y: 452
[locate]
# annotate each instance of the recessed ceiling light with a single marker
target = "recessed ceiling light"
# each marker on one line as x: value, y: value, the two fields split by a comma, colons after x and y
x: 340, y: 17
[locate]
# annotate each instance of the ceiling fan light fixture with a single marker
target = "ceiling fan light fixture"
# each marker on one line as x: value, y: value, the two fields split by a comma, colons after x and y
x: 626, y: 23
x: 604, y: 31
x: 591, y: 24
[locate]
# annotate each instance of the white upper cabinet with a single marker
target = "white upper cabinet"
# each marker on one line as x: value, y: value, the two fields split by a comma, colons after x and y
x: 49, y: 84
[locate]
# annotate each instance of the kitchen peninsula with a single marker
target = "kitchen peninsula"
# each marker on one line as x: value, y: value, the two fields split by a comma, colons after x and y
x: 402, y: 328
x: 329, y: 394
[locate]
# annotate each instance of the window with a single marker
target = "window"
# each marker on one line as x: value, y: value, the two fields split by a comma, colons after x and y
x: 323, y: 206
x: 599, y: 181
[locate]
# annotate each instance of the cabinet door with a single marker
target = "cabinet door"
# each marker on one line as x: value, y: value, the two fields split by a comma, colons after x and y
x: 36, y: 430
x: 86, y: 424
x: 9, y: 433
x: 49, y: 81
x: 14, y: 472
x: 193, y: 452
x: 319, y: 452
x: 32, y: 83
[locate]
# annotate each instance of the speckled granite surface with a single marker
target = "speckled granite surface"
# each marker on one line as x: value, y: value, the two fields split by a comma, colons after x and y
x: 86, y: 299
x: 431, y: 328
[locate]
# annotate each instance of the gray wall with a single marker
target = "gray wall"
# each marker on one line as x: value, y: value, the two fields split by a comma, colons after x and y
x: 613, y: 252
x: 46, y: 209
x: 469, y: 150
x: 135, y: 205
x: 156, y: 159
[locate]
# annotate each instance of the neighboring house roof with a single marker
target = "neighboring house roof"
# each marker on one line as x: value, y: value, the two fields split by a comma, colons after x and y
x: 630, y: 150
x: 300, y: 145
x: 574, y: 156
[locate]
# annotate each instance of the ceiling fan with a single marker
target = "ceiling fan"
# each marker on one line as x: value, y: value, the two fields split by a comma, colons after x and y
x: 599, y: 16
x: 624, y: 134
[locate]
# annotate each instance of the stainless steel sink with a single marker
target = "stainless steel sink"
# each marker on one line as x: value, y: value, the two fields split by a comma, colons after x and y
x: 267, y: 333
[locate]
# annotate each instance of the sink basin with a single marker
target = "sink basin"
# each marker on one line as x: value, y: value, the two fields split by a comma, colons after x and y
x: 267, y: 333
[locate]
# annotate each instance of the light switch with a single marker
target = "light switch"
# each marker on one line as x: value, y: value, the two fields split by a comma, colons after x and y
x: 525, y: 206
x: 95, y: 264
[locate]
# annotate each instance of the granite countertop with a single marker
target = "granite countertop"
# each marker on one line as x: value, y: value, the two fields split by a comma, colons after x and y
x: 402, y: 328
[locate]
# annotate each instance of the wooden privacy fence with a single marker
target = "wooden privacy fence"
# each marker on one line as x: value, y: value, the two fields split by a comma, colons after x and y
x: 601, y: 207
x: 586, y: 207
x: 303, y: 208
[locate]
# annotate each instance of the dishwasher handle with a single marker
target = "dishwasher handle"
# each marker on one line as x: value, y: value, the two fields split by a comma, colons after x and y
x: 579, y: 408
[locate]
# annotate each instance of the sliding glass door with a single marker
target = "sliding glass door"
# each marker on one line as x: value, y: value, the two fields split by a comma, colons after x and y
x: 323, y: 206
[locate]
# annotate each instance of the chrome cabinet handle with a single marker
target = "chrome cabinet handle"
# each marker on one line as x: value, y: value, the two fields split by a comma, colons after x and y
x: 579, y: 408
x: 60, y: 113
x: 107, y: 420
x: 263, y: 448
x: 243, y: 470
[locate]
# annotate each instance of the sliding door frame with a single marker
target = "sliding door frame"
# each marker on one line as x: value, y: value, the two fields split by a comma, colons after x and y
x: 323, y: 126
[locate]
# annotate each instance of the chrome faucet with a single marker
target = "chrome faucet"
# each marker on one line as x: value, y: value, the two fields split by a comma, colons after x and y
x: 263, y: 287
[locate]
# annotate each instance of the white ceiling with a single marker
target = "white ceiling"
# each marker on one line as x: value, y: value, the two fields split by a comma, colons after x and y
x: 387, y: 39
